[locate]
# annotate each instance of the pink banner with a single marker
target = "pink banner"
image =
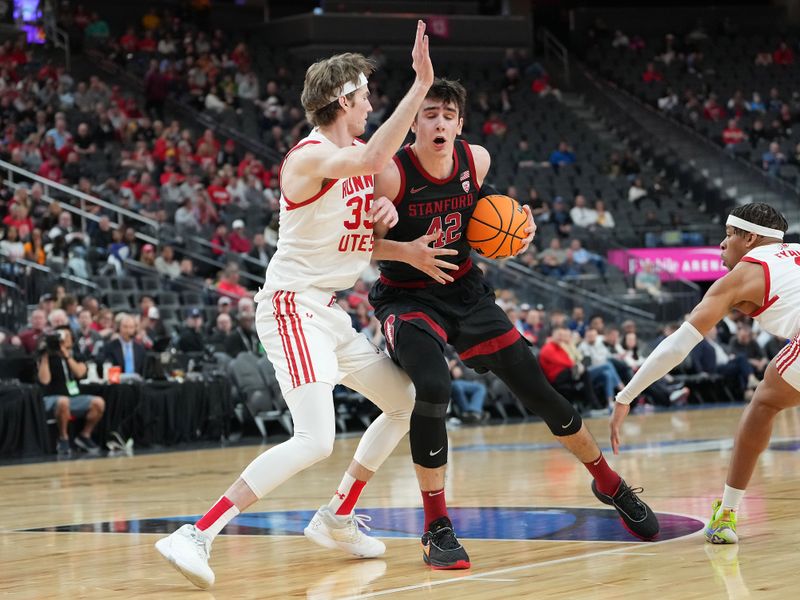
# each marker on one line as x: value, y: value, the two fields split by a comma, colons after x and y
x: 694, y: 264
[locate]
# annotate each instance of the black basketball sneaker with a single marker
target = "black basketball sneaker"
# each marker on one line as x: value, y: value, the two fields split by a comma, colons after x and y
x: 636, y: 516
x: 441, y: 549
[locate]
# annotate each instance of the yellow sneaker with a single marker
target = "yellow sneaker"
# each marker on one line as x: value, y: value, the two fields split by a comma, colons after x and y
x: 721, y: 529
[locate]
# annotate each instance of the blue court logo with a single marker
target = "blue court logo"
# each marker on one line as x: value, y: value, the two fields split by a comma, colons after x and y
x: 488, y: 523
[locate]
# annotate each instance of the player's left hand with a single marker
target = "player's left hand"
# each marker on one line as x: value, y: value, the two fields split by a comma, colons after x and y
x: 383, y: 212
x: 620, y: 412
x: 530, y: 230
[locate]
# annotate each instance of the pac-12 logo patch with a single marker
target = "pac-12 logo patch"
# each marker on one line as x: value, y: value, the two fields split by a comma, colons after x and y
x: 465, y: 185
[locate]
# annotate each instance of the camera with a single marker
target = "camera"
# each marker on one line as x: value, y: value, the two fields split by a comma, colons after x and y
x: 51, y: 342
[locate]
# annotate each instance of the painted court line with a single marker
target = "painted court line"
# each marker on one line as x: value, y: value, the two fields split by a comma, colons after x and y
x: 517, y: 569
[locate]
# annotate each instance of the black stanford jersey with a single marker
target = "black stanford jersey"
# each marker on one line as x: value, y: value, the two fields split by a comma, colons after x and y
x: 426, y: 204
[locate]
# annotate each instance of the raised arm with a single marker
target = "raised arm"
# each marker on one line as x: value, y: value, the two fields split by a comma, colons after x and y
x: 318, y: 161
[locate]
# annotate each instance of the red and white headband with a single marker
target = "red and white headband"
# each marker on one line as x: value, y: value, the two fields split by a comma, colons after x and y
x: 350, y: 86
x: 753, y: 228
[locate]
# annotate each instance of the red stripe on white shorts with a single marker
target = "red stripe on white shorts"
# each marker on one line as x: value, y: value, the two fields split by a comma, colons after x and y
x: 303, y: 341
x: 284, y: 334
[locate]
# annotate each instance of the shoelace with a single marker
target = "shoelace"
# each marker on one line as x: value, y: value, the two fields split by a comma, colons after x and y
x: 200, y: 542
x: 353, y: 524
x: 629, y: 494
x: 446, y: 539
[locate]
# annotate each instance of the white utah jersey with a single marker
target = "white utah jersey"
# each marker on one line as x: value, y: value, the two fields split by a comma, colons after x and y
x: 780, y: 311
x: 325, y: 241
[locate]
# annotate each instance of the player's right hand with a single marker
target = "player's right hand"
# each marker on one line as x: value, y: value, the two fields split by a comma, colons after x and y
x: 620, y: 412
x: 424, y: 258
x: 422, y: 64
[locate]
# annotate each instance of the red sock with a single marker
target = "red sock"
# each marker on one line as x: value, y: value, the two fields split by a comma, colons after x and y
x: 606, y: 478
x: 435, y: 506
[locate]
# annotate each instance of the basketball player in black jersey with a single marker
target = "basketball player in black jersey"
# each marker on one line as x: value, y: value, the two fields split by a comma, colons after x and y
x: 435, y: 183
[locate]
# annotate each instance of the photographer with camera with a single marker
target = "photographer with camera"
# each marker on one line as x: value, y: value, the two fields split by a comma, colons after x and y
x: 59, y: 374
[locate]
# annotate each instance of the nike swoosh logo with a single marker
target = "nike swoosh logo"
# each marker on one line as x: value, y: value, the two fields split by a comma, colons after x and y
x: 436, y: 493
x: 597, y: 462
x: 568, y: 424
x: 419, y: 189
x: 432, y: 453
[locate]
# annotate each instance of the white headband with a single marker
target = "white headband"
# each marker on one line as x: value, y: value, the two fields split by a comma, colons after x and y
x: 349, y: 87
x: 753, y: 228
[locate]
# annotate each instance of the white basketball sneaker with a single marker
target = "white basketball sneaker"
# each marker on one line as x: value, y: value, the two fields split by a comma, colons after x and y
x: 188, y: 549
x: 342, y: 532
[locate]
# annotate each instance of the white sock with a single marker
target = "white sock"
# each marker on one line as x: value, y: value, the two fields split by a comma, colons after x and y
x: 217, y: 517
x: 732, y: 497
x: 346, y: 496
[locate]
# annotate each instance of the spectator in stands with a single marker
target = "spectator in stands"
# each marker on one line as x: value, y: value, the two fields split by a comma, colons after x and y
x: 647, y: 280
x: 552, y: 258
x: 191, y: 338
x: 651, y: 74
x: 737, y: 107
x: 581, y: 215
x: 773, y: 159
x: 577, y: 321
x: 244, y: 337
x: 30, y: 336
x: 620, y: 40
x: 220, y: 333
x: 745, y: 345
x: 560, y: 218
x: 156, y: 90
x: 756, y: 104
x: 524, y: 156
x: 148, y: 256
x: 711, y: 357
x: 237, y: 239
x: 583, y: 257
x: 763, y: 59
x: 494, y: 125
x: 669, y: 101
x: 601, y: 371
x: 562, y: 366
x: 61, y: 136
x: 783, y: 55
x: 712, y: 109
x: 637, y: 191
x: 59, y: 373
x: 34, y: 248
x: 229, y: 283
x: 604, y: 218
x: 563, y: 156
x: 186, y: 221
x: 733, y: 135
x: 19, y: 217
x: 12, y: 249
x: 124, y: 351
x: 219, y: 241
x: 468, y: 395
x: 65, y: 230
x: 88, y: 340
x: 166, y: 264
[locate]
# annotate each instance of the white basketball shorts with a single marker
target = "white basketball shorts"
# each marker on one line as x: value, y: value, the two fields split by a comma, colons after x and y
x: 788, y: 363
x: 310, y: 338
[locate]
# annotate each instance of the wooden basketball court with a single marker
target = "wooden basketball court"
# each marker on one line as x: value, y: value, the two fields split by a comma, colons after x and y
x: 679, y: 457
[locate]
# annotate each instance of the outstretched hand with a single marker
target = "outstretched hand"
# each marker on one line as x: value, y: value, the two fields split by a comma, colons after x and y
x: 530, y: 230
x: 422, y: 64
x: 620, y: 412
x: 424, y: 258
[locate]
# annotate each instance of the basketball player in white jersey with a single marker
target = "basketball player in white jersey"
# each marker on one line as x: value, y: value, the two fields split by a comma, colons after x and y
x: 326, y: 217
x: 764, y: 282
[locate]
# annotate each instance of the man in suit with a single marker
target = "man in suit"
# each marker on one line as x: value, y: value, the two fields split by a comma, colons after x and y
x: 125, y: 351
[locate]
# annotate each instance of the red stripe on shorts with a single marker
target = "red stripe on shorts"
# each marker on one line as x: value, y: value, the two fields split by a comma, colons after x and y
x: 287, y: 346
x: 491, y: 346
x: 790, y: 358
x: 305, y: 342
x: 299, y: 338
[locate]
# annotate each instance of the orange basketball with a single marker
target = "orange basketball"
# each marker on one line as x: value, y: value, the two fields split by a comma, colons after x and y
x: 496, y: 229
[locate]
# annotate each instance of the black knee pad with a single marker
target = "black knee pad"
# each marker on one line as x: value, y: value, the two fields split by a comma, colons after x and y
x: 527, y: 381
x: 420, y: 356
x: 428, y: 440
